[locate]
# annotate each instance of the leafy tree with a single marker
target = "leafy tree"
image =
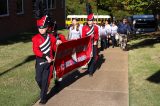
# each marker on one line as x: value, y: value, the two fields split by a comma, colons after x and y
x: 154, y: 6
x: 79, y: 7
x: 119, y: 8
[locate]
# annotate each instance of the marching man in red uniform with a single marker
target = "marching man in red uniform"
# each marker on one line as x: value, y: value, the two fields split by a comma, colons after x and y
x: 91, y: 30
x: 44, y: 46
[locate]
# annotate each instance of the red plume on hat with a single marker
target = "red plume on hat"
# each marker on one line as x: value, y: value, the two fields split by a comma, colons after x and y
x: 42, y: 22
x: 90, y: 17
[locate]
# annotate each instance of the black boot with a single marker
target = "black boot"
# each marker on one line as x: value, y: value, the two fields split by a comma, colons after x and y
x: 42, y: 102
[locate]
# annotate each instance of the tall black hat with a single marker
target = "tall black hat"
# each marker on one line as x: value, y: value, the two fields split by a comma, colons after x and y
x: 40, y: 8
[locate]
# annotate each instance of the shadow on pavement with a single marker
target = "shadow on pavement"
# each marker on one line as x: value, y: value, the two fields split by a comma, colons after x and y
x: 155, y: 78
x: 71, y: 78
x: 68, y: 80
x: 100, y: 61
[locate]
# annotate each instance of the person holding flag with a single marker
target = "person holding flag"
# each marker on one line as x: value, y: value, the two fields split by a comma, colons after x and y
x: 44, y: 48
x: 91, y: 30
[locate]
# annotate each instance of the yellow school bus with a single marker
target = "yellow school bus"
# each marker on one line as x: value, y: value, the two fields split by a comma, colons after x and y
x: 83, y: 18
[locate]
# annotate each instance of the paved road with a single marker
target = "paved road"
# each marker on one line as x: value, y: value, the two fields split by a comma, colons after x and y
x: 108, y: 86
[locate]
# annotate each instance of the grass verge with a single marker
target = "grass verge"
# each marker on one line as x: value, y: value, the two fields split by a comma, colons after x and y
x: 144, y: 72
x: 17, y: 73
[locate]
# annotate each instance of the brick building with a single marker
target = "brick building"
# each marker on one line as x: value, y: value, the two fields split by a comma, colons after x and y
x: 16, y: 16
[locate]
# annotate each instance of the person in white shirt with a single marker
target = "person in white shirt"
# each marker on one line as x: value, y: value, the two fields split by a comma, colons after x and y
x: 75, y: 31
x: 96, y: 23
x: 114, y: 29
x: 103, y: 36
x: 108, y: 31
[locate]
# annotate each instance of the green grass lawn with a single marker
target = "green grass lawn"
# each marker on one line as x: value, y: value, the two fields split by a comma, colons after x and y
x: 17, y: 73
x: 144, y: 72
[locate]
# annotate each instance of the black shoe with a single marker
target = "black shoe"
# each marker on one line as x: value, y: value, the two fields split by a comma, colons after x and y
x: 42, y: 102
x: 90, y: 75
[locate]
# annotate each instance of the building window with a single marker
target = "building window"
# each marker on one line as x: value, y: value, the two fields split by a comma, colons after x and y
x: 4, y: 8
x: 20, y: 9
x: 51, y: 4
x: 33, y: 4
x: 62, y: 3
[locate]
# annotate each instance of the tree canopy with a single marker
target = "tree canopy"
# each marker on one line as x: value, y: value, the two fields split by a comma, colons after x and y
x: 119, y: 8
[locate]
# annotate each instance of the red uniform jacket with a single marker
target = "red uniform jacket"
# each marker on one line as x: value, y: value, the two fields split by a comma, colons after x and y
x: 37, y: 40
x: 93, y: 31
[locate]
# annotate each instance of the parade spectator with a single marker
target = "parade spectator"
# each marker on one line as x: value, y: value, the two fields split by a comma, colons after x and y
x: 108, y: 32
x: 123, y: 29
x: 75, y: 31
x: 114, y: 29
x: 96, y: 23
x: 103, y: 36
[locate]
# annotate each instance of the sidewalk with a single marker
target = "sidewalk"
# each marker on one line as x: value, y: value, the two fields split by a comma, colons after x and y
x: 107, y: 87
